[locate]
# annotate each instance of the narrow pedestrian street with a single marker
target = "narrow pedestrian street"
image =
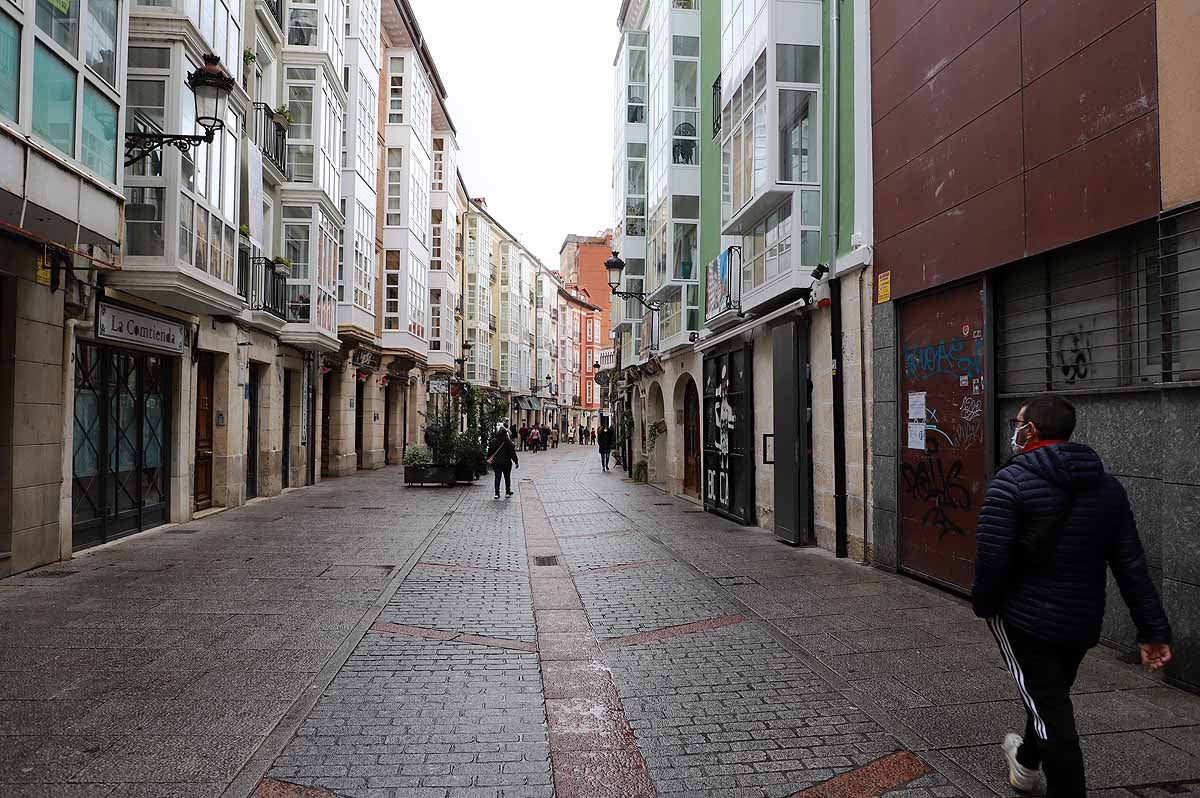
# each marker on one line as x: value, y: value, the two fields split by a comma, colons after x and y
x: 586, y: 637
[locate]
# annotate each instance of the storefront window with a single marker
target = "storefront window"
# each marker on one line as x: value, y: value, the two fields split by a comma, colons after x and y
x: 10, y: 66
x: 53, y: 98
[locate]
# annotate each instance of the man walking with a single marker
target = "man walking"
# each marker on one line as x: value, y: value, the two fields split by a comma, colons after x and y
x: 605, y: 443
x: 1054, y: 521
x: 524, y: 433
x: 502, y: 456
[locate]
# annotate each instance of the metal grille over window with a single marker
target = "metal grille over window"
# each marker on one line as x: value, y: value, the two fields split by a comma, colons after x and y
x: 1179, y: 246
x: 1089, y: 316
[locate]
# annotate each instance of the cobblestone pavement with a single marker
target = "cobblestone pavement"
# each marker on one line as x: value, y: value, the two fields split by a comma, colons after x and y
x: 588, y: 637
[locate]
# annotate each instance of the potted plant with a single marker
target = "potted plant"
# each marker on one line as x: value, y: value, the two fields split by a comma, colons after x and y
x: 469, y: 454
x: 641, y: 471
x: 282, y: 116
x: 419, y: 468
x: 248, y: 57
x: 283, y: 266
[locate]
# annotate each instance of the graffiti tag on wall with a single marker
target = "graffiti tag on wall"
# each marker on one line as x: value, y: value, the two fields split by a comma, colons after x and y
x: 953, y: 357
x: 936, y: 481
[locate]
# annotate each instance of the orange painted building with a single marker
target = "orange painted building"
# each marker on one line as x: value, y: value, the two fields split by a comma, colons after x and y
x: 581, y: 263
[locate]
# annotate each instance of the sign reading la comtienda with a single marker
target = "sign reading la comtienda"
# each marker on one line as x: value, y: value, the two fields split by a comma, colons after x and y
x: 118, y: 323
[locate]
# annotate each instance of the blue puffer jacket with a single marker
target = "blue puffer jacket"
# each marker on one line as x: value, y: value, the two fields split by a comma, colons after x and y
x: 1062, y: 598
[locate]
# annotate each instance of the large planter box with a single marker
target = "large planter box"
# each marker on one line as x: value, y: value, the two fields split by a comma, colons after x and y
x: 465, y: 472
x: 429, y: 475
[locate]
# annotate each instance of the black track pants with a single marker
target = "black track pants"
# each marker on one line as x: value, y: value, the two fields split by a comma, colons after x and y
x: 1044, y: 673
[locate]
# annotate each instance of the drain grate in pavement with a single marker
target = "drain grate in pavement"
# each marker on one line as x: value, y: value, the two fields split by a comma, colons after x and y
x: 734, y: 580
x: 182, y: 531
x: 545, y: 560
x: 373, y: 508
x: 331, y: 507
x: 50, y: 574
x: 662, y: 504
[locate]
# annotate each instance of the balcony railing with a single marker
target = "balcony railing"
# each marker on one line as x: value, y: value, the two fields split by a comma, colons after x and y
x: 259, y: 284
x: 269, y: 135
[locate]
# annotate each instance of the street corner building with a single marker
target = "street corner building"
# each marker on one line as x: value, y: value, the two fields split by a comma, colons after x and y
x: 235, y: 242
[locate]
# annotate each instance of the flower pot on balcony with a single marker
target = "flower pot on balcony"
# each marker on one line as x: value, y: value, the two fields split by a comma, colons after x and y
x: 282, y: 267
x: 281, y: 119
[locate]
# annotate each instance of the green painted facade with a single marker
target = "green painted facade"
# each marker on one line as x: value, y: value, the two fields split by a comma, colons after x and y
x: 846, y: 45
x: 710, y: 151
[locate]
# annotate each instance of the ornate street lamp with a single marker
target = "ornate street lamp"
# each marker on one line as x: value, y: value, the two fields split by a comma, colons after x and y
x: 210, y: 85
x: 615, y: 267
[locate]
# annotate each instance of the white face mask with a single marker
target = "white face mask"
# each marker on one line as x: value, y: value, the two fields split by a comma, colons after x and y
x: 1017, y: 447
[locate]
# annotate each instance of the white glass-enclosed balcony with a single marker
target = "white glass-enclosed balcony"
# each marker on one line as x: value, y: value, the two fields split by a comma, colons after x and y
x: 310, y: 245
x: 770, y: 136
x: 182, y: 210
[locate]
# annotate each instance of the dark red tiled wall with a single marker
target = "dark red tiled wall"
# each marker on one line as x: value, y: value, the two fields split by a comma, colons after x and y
x: 1004, y: 128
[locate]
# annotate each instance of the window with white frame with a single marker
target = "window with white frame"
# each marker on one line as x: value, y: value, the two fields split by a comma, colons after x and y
x: 744, y: 156
x: 798, y: 73
x: 435, y: 320
x: 636, y: 95
x: 422, y: 106
x: 439, y: 164
x: 392, y: 272
x: 303, y: 23
x: 341, y: 252
x: 685, y: 142
x: 365, y: 129
x: 326, y: 312
x: 298, y: 248
x: 331, y: 128
x: 420, y: 201
x: 300, y: 90
x: 396, y: 90
x: 417, y: 296
x: 75, y: 91
x: 435, y: 245
x: 394, y: 188
x: 364, y: 257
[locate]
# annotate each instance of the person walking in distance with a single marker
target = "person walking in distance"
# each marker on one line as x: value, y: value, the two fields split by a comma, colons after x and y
x: 524, y: 433
x: 535, y: 439
x: 1053, y: 523
x: 604, y: 442
x: 502, y: 456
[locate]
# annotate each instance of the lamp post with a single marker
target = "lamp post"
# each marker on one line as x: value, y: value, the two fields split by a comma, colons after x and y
x: 210, y: 85
x: 615, y: 267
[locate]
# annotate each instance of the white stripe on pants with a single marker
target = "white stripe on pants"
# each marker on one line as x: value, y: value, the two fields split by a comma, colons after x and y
x: 1014, y: 667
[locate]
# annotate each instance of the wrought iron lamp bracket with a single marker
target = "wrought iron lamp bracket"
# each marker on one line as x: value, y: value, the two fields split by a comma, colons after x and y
x: 138, y: 145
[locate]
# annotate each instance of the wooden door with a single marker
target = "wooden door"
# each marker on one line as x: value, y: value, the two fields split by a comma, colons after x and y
x: 691, y: 440
x: 943, y: 462
x: 203, y: 464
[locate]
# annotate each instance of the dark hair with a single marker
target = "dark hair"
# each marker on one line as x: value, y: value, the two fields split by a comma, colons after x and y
x: 1053, y: 416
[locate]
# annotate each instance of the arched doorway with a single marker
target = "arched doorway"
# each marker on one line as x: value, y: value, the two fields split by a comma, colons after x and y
x: 656, y: 435
x: 691, y: 439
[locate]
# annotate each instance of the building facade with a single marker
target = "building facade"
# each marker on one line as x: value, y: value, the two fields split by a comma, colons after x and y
x: 1060, y: 261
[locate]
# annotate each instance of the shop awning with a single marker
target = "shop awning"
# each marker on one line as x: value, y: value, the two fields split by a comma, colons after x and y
x: 535, y: 403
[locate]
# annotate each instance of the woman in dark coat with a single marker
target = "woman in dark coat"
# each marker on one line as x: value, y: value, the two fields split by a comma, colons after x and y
x: 502, y: 456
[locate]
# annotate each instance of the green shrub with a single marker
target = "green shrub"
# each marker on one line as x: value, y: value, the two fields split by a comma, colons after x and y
x: 417, y: 456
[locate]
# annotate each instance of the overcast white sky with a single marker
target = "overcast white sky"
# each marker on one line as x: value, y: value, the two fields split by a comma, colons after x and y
x: 530, y: 92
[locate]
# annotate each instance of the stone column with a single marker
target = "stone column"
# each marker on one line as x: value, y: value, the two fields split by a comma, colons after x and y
x: 372, y: 411
x: 395, y: 442
x: 343, y: 459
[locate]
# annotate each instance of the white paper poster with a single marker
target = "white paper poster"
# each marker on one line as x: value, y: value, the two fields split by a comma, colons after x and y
x: 254, y: 195
x: 916, y: 407
x: 916, y: 436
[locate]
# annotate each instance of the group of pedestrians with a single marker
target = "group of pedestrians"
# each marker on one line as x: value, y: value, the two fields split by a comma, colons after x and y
x: 536, y: 438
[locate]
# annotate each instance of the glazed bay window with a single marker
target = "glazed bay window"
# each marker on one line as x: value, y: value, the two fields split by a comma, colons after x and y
x: 364, y: 142
x: 54, y: 99
x: 394, y: 188
x: 798, y: 72
x: 435, y: 247
x: 10, y: 67
x: 686, y: 251
x: 297, y: 247
x: 364, y: 258
x: 439, y: 164
x: 303, y: 23
x: 145, y: 214
x: 300, y: 92
x: 417, y: 297
x: 435, y: 320
x: 392, y: 271
x: 637, y: 91
x: 395, y: 91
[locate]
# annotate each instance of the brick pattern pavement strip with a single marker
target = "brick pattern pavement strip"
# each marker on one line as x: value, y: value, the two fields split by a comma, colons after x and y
x: 591, y: 743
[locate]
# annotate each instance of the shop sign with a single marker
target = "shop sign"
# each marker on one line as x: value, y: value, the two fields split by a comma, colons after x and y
x: 117, y: 323
x: 366, y: 358
x: 439, y: 387
x: 717, y: 279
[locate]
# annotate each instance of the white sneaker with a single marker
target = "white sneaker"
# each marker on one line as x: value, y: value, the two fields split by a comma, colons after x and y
x: 1020, y: 777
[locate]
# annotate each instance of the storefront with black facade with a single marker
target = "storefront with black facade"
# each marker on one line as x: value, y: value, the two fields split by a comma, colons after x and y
x: 122, y: 423
x: 729, y: 433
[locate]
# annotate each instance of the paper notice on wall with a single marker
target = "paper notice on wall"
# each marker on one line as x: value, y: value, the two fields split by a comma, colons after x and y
x: 916, y: 436
x: 916, y: 407
x: 254, y: 195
